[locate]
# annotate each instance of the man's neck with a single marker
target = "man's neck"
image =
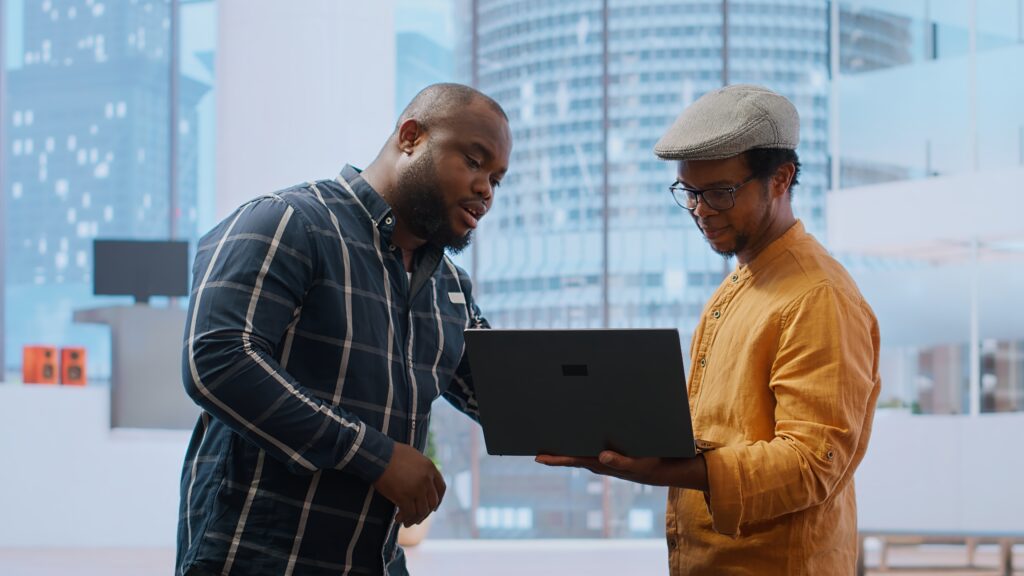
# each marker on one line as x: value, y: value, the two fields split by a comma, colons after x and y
x: 773, y: 232
x: 405, y: 239
x: 407, y: 243
x: 382, y: 180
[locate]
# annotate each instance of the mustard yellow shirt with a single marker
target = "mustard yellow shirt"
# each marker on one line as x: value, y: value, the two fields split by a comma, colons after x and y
x: 785, y: 376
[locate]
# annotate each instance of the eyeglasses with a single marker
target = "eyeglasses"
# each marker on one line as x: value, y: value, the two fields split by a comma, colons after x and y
x: 717, y: 199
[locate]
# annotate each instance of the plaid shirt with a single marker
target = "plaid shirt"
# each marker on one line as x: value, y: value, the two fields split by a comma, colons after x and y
x: 311, y: 352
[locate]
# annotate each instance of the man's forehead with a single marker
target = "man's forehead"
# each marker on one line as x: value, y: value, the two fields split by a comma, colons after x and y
x: 493, y: 134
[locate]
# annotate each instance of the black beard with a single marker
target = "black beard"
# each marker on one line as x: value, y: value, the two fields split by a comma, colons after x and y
x: 420, y: 205
x: 455, y: 245
x: 741, y: 242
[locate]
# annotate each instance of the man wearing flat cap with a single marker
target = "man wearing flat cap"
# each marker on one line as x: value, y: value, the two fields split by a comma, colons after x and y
x: 784, y: 373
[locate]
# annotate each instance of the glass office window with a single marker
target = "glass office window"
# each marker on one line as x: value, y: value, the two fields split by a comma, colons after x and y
x: 587, y: 105
x: 928, y: 107
x: 1000, y: 86
x: 540, y: 254
x: 904, y: 101
x: 196, y: 109
x: 88, y: 152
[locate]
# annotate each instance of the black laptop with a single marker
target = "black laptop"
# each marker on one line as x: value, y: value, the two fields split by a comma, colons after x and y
x: 578, y: 392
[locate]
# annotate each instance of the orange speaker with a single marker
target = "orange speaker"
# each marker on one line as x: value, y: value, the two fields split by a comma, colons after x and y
x: 39, y: 365
x: 72, y: 366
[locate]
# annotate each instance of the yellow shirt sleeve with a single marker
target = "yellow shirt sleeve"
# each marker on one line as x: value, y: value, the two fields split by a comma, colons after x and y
x: 824, y: 388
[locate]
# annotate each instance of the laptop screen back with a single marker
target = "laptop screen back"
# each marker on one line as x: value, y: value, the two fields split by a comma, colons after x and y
x: 578, y: 392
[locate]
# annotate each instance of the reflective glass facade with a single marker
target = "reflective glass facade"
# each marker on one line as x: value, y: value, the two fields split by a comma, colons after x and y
x: 584, y: 232
x: 88, y: 150
x: 930, y: 129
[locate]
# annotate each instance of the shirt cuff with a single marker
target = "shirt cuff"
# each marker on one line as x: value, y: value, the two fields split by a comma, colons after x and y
x: 369, y: 455
x: 725, y: 497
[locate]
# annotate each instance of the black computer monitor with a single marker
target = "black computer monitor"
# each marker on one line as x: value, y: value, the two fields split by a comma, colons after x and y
x: 140, y: 268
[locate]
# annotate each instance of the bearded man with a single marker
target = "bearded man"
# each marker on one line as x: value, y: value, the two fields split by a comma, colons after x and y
x: 324, y: 321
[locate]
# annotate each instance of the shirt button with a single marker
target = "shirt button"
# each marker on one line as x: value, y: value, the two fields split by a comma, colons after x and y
x: 716, y: 314
x: 391, y: 247
x: 388, y: 220
x: 703, y: 362
x: 734, y: 278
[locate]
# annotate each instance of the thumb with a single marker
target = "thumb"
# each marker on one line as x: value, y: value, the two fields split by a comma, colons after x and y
x: 611, y: 459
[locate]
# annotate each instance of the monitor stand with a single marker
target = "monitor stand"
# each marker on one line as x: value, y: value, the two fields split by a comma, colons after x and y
x: 145, y: 380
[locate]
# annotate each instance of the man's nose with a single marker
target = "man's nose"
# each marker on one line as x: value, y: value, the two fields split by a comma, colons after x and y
x: 484, y: 189
x: 703, y: 210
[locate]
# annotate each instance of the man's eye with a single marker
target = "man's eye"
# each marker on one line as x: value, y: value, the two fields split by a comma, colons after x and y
x: 472, y: 163
x: 495, y: 183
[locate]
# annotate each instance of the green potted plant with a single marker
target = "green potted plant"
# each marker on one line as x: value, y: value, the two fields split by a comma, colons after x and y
x: 415, y: 534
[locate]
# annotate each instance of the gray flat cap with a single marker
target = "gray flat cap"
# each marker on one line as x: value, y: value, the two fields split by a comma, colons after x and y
x: 730, y: 121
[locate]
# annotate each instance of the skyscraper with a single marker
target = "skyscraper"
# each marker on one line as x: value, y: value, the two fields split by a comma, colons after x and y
x: 88, y: 150
x: 584, y: 232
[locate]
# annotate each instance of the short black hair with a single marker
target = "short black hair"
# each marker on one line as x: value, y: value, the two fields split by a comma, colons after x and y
x: 765, y: 162
x: 438, y: 103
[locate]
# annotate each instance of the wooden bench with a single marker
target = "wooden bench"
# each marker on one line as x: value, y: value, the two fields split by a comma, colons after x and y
x: 1005, y: 541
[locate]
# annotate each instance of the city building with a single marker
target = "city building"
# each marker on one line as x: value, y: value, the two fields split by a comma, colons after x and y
x: 584, y: 233
x: 89, y: 155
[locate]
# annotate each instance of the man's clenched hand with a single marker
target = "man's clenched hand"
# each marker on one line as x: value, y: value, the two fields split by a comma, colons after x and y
x: 413, y: 483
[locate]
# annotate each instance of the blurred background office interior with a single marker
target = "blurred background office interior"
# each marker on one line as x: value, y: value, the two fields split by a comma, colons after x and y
x: 150, y: 120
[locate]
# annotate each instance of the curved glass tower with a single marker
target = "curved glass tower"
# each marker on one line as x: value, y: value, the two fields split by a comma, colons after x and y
x: 584, y: 232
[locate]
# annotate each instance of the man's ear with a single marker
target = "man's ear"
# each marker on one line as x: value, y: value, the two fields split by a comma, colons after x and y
x: 782, y: 179
x: 410, y: 134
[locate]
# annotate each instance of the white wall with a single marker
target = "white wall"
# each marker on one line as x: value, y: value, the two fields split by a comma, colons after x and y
x: 303, y: 87
x: 943, y: 473
x: 67, y: 480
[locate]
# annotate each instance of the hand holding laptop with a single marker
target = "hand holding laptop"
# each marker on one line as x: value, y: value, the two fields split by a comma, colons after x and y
x: 682, y: 472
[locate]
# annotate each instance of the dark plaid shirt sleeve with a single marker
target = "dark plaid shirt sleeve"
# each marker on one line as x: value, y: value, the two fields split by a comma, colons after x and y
x: 252, y: 273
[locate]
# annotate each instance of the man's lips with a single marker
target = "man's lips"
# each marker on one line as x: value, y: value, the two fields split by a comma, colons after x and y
x: 712, y: 233
x: 473, y: 211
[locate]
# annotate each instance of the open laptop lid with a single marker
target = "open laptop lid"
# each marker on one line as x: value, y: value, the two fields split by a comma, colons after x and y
x: 578, y: 392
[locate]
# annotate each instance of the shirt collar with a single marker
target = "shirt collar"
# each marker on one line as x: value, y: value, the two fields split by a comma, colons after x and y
x: 428, y: 257
x: 778, y: 246
x: 375, y: 205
